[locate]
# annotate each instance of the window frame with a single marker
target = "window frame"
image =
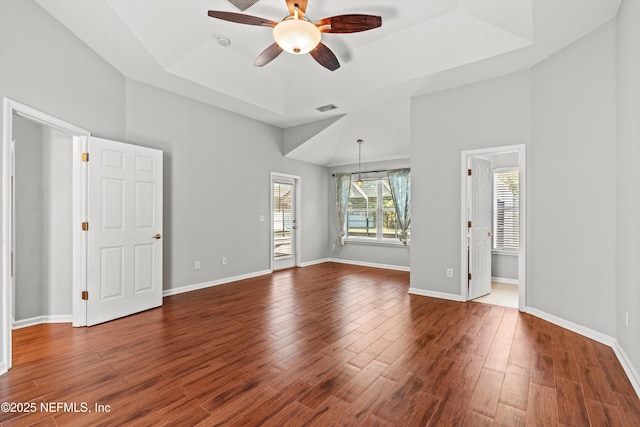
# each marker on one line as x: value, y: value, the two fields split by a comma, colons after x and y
x: 379, y: 239
x: 502, y: 250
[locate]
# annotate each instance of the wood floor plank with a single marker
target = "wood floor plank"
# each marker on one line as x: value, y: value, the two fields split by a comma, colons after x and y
x: 602, y: 414
x: 572, y: 408
x: 515, y: 388
x: 542, y: 408
x: 328, y: 345
x: 508, y: 416
x: 486, y: 395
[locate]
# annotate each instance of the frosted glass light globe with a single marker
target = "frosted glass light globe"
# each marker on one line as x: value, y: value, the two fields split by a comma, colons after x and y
x: 296, y: 36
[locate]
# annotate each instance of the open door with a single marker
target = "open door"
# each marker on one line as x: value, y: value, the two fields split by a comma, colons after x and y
x: 124, y: 246
x: 479, y: 235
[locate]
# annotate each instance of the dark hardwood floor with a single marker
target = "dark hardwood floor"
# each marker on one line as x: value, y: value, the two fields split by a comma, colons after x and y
x: 327, y: 345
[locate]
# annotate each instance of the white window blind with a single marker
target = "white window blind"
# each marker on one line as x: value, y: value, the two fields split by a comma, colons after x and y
x: 506, y: 209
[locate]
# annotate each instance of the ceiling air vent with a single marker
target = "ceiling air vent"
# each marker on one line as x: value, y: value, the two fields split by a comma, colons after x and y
x: 326, y: 108
x: 243, y: 4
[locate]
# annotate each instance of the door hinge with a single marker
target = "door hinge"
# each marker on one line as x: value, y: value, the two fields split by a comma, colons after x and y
x: 85, y: 295
x: 85, y: 226
x: 85, y: 157
x: 469, y: 172
x: 468, y: 224
x: 469, y: 276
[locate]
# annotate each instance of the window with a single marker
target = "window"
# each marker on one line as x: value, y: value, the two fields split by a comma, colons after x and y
x: 371, y: 214
x: 506, y: 209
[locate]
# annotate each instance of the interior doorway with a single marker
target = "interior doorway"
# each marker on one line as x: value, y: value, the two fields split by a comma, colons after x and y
x: 485, y: 252
x: 285, y: 221
x: 12, y: 109
x: 41, y: 202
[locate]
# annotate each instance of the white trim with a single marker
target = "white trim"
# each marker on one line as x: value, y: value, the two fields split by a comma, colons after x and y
x: 11, y: 107
x: 623, y: 358
x: 435, y: 294
x: 505, y: 280
x: 204, y: 285
x: 314, y: 262
x: 391, y: 243
x: 19, y: 324
x: 627, y: 365
x: 574, y: 327
x: 464, y: 156
x: 370, y: 264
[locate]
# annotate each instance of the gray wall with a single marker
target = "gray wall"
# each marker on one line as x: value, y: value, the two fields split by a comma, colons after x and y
x: 57, y: 158
x: 398, y: 256
x: 48, y: 68
x: 42, y: 221
x: 564, y: 111
x: 29, y: 224
x: 571, y: 203
x: 504, y: 266
x: 628, y: 181
x: 217, y: 184
x: 488, y: 114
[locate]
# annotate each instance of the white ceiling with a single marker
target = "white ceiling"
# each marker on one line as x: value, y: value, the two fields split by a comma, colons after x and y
x: 423, y: 46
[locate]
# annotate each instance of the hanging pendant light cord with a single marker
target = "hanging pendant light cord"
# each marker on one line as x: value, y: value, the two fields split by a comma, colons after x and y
x: 359, y: 161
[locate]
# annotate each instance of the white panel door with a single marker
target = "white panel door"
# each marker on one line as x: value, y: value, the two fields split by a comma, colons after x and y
x: 124, y: 246
x: 481, y: 209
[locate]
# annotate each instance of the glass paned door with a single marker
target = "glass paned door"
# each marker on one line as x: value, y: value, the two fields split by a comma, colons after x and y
x: 283, y: 223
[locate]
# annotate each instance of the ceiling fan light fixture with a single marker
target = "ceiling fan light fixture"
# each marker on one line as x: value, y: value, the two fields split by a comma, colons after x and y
x: 297, y: 36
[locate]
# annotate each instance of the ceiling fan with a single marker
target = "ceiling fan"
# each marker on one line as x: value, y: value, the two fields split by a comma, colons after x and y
x: 298, y: 35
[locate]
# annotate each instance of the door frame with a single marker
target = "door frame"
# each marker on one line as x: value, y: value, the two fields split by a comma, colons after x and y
x: 11, y: 107
x: 297, y: 182
x: 464, y: 186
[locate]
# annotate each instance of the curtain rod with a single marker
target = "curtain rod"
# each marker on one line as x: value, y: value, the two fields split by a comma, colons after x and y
x: 356, y: 173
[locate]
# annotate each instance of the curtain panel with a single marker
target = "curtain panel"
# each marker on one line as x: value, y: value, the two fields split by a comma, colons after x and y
x: 400, y: 184
x: 343, y: 185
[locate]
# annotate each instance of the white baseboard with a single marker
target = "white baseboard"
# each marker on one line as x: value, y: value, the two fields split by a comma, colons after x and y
x: 578, y: 329
x: 623, y: 358
x: 317, y: 261
x: 65, y: 318
x: 3, y: 368
x: 197, y: 286
x: 505, y: 280
x: 629, y: 369
x: 435, y: 294
x: 370, y: 264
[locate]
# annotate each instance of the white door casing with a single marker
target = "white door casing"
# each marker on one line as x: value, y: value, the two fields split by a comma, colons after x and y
x: 124, y: 246
x: 480, y: 214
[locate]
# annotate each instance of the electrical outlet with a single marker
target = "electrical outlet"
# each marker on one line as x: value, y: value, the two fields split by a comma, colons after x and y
x: 261, y: 218
x: 196, y: 265
x: 333, y: 246
x: 449, y: 272
x: 224, y: 260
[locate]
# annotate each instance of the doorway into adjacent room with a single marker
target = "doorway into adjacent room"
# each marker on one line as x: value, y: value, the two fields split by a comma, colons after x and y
x: 492, y: 231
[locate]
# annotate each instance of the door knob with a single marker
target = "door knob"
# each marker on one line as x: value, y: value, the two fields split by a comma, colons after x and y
x: 157, y: 236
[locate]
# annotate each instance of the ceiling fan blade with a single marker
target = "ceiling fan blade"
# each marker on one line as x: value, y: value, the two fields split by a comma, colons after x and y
x: 268, y: 55
x: 241, y: 18
x: 302, y: 6
x: 325, y: 57
x: 349, y: 23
